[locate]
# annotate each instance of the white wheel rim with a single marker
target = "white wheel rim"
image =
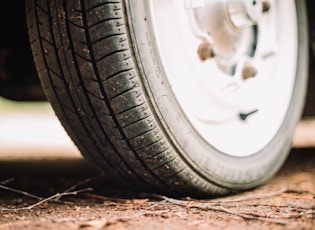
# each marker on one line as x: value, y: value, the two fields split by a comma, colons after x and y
x: 213, y: 99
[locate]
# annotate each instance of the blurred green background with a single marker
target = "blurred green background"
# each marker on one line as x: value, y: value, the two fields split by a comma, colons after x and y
x: 14, y: 106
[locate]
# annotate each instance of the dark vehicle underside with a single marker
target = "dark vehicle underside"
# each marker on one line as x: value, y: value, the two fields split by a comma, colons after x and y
x: 18, y: 77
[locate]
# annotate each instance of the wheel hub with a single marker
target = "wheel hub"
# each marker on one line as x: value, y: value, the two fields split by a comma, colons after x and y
x: 237, y: 66
x: 230, y: 25
x: 244, y: 13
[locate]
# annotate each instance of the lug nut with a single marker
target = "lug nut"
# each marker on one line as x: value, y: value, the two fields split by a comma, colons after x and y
x: 266, y: 6
x: 206, y: 51
x: 249, y: 71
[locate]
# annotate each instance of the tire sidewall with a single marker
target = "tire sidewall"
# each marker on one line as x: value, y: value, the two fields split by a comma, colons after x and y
x: 216, y: 167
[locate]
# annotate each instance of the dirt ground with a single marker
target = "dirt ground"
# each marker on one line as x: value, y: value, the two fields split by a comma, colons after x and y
x: 45, y: 184
x: 286, y: 202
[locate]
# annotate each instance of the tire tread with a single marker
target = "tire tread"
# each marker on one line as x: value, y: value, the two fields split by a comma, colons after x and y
x: 91, y: 79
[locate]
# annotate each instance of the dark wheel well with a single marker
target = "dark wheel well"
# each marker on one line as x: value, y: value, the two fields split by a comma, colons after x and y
x: 18, y: 77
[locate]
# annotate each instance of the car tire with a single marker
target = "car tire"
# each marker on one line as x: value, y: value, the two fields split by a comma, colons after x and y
x: 127, y: 82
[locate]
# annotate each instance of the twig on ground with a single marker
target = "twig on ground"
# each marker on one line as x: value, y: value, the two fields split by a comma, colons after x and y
x: 80, y: 183
x: 207, y: 207
x: 283, y: 216
x: 261, y: 196
x: 300, y: 191
x: 7, y: 181
x: 47, y: 199
x: 21, y: 192
x: 118, y: 200
x: 222, y: 205
x: 294, y: 206
x: 251, y: 197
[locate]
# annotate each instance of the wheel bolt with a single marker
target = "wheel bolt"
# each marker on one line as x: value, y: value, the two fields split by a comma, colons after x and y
x: 206, y: 51
x: 266, y: 6
x: 249, y: 71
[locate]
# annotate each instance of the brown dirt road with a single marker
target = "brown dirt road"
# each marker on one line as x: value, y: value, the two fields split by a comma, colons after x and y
x: 42, y: 169
x: 286, y: 202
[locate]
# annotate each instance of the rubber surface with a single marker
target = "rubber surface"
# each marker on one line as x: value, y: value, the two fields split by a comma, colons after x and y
x: 83, y: 58
x: 87, y: 65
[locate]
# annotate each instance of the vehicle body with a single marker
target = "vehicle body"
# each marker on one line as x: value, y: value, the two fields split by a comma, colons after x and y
x: 22, y: 84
